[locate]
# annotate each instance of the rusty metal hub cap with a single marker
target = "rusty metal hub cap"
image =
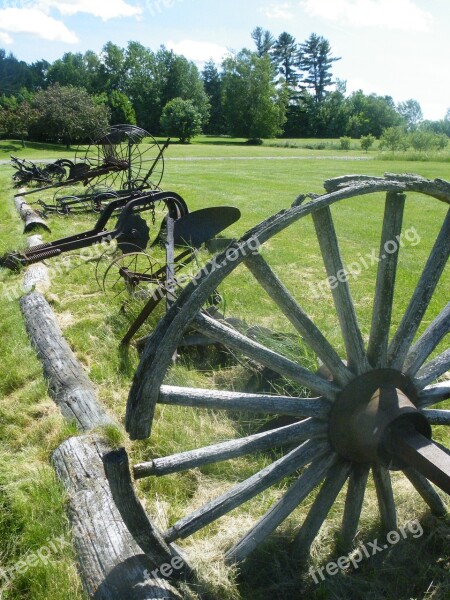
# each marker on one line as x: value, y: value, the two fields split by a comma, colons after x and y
x: 370, y: 412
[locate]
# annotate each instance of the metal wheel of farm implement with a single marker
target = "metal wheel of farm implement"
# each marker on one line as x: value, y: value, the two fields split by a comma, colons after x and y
x: 370, y: 413
x: 120, y: 275
x: 114, y: 270
x: 124, y: 157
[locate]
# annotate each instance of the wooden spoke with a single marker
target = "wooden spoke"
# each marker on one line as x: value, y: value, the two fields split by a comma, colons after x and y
x: 398, y: 349
x: 437, y: 417
x: 428, y: 342
x: 281, y: 509
x: 345, y: 309
x: 259, y: 403
x: 353, y: 503
x: 385, y: 497
x: 283, y: 436
x: 434, y: 393
x: 427, y: 491
x: 280, y: 364
x: 318, y: 512
x: 385, y: 285
x: 299, y: 319
x: 432, y: 370
x: 284, y: 466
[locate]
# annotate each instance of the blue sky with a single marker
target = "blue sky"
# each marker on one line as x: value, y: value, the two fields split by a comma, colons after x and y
x: 395, y: 47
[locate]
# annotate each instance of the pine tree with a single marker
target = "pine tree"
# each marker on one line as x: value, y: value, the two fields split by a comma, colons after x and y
x: 285, y: 54
x: 315, y: 60
x: 213, y: 88
x: 263, y: 39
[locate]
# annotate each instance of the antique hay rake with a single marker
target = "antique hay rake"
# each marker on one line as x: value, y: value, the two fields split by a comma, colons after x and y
x: 122, y: 158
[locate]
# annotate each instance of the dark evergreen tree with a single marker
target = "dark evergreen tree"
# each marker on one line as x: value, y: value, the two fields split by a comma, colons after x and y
x: 213, y: 87
x: 285, y: 55
x: 316, y: 61
x: 14, y: 74
x: 263, y: 39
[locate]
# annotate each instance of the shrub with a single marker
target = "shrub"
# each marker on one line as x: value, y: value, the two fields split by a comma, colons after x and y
x: 181, y: 118
x: 394, y: 138
x: 345, y: 142
x: 367, y: 141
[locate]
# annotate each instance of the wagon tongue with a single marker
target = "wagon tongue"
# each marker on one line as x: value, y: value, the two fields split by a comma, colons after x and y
x: 201, y: 225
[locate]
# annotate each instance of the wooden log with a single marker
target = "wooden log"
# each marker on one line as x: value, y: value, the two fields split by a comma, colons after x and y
x: 244, y: 491
x: 281, y: 509
x: 29, y: 216
x: 36, y: 276
x: 69, y: 384
x: 274, y: 438
x: 111, y: 564
x: 259, y: 403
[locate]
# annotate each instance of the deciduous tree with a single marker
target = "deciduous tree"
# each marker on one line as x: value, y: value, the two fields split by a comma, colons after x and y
x: 182, y: 119
x: 67, y: 114
x: 254, y: 107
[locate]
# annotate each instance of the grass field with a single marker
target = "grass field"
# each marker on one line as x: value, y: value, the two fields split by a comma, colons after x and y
x: 260, y: 181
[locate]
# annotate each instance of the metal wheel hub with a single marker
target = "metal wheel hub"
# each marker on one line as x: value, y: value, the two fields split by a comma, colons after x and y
x: 370, y: 412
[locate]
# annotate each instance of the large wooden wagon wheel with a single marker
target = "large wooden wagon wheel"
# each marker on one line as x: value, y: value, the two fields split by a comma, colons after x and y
x: 371, y: 410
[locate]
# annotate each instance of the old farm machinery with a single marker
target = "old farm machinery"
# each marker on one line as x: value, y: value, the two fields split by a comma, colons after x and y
x: 369, y: 411
x: 117, y: 161
x: 128, y: 262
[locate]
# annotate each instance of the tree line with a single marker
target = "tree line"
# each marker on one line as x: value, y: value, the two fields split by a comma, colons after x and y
x: 278, y: 88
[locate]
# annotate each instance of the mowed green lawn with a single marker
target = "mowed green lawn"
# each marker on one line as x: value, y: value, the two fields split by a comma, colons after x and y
x: 260, y: 181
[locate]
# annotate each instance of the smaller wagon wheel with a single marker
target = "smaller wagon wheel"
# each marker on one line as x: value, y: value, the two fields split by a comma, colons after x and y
x: 370, y: 412
x: 122, y: 155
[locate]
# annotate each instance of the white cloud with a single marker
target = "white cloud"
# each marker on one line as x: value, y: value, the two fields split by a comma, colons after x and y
x: 279, y: 11
x: 199, y: 52
x: 5, y: 38
x: 36, y: 22
x: 391, y: 14
x: 104, y: 9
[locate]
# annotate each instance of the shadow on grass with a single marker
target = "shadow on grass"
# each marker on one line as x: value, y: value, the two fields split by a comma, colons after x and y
x: 213, y: 141
x: 7, y: 146
x: 396, y: 572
